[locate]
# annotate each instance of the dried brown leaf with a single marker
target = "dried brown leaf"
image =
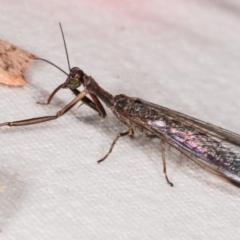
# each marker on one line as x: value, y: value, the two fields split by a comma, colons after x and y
x: 13, y: 62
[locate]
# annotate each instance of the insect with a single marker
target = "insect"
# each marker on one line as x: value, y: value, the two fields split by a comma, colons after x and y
x: 211, y: 147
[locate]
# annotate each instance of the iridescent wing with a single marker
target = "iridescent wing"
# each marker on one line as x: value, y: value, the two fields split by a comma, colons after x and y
x: 222, y: 133
x: 212, y: 147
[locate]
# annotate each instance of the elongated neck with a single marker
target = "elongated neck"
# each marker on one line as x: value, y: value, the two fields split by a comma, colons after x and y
x: 91, y: 85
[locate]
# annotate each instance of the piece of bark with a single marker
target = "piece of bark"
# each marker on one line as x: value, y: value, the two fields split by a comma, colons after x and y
x: 13, y: 62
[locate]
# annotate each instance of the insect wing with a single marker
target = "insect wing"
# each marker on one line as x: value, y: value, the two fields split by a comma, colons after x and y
x: 209, y: 146
x: 211, y: 129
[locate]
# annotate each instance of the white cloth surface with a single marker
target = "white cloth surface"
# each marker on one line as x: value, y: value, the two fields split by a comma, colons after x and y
x: 181, y: 54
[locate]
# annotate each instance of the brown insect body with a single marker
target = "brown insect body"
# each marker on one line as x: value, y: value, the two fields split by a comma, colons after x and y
x: 211, y: 147
x: 207, y: 145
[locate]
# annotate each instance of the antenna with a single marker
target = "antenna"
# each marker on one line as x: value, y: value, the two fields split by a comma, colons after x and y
x: 65, y: 45
x: 51, y: 64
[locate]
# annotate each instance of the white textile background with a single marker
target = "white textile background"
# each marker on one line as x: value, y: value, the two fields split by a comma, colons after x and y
x: 180, y: 54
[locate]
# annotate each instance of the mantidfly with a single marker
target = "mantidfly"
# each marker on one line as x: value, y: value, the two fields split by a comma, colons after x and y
x: 211, y: 147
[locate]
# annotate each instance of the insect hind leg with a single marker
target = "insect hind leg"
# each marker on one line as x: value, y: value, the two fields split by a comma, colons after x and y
x: 164, y: 163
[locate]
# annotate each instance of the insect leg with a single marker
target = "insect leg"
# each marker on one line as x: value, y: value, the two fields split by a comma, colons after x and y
x: 128, y: 132
x: 164, y: 162
x: 52, y: 95
x: 86, y: 100
x: 95, y: 104
x: 46, y: 118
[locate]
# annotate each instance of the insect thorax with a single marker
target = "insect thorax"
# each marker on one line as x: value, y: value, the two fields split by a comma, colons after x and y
x: 128, y: 110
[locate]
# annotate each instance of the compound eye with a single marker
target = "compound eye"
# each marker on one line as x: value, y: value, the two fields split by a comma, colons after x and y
x: 74, y: 82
